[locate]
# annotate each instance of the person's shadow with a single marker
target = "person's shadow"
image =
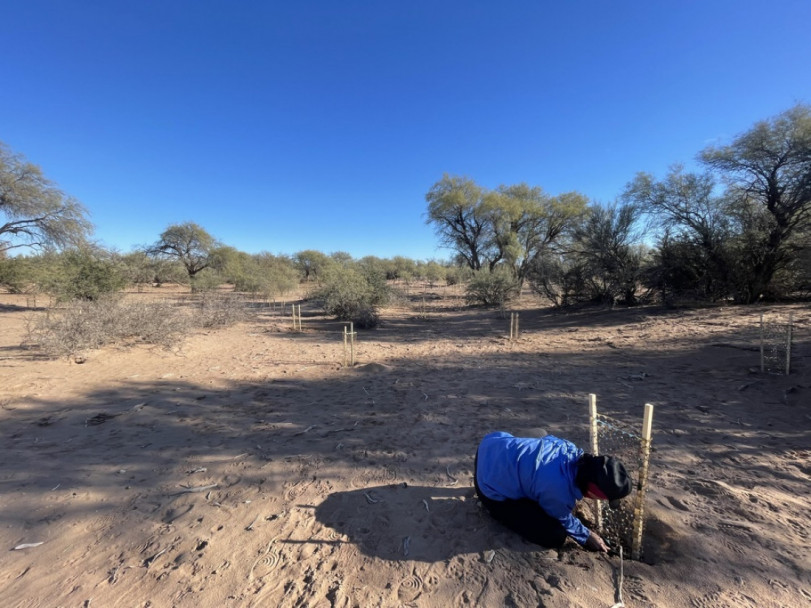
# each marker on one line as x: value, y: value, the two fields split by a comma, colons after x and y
x: 429, y: 524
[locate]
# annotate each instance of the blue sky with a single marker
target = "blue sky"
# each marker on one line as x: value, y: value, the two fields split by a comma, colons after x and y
x: 283, y: 126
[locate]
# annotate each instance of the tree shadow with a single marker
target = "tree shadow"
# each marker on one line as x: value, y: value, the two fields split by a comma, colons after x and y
x: 140, y: 452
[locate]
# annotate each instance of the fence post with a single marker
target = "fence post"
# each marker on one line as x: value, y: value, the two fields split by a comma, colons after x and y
x: 788, y: 342
x: 351, y: 344
x: 595, y: 450
x: 642, y: 482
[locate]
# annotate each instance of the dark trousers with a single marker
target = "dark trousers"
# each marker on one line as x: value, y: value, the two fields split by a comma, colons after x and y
x: 523, y: 516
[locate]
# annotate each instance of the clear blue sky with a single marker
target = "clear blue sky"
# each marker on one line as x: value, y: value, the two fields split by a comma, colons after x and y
x: 283, y: 126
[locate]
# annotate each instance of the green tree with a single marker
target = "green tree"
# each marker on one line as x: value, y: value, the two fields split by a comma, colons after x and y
x: 604, y: 263
x: 341, y: 257
x: 137, y: 268
x: 526, y: 223
x: 33, y: 211
x: 15, y: 273
x: 310, y: 263
x: 82, y: 273
x: 433, y: 272
x: 511, y: 225
x: 455, y: 208
x: 349, y: 292
x: 768, y: 172
x: 608, y: 247
x: 265, y: 274
x: 189, y: 243
x: 401, y: 267
x: 694, y: 227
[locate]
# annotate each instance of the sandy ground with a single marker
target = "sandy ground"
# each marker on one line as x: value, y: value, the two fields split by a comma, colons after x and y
x: 250, y: 468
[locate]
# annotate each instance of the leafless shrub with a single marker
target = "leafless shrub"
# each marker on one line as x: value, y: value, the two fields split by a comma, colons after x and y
x: 84, y: 325
x: 158, y: 322
x: 220, y: 309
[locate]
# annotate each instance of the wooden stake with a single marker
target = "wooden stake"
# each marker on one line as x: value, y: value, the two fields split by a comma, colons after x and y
x: 595, y: 450
x: 513, y: 326
x: 762, y: 361
x: 345, y: 345
x: 788, y: 343
x: 642, y: 482
x: 351, y: 344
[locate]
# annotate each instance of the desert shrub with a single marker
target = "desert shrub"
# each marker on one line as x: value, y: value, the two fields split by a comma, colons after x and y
x: 455, y: 275
x: 78, y: 274
x: 219, y: 309
x: 14, y: 275
x: 492, y: 288
x: 366, y: 318
x: 266, y: 275
x: 87, y: 324
x: 565, y: 281
x: 433, y: 272
x: 169, y: 271
x: 206, y: 280
x: 349, y: 293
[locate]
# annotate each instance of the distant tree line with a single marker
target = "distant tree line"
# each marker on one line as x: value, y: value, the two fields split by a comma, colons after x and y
x: 739, y: 230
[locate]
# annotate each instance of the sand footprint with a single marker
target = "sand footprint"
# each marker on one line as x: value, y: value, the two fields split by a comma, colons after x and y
x: 265, y: 563
x: 724, y: 599
x: 410, y: 588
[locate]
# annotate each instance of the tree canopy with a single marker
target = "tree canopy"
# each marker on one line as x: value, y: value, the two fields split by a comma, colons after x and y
x: 33, y: 211
x: 768, y: 172
x: 189, y: 243
x: 511, y: 225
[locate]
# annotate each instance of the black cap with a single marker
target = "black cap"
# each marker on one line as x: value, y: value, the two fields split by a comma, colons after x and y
x: 608, y: 474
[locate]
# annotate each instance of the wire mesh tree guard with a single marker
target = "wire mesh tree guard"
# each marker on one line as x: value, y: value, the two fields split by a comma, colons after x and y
x: 624, y: 525
x: 775, y: 345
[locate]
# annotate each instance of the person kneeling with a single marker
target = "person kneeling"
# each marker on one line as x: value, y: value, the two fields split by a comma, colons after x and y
x: 531, y: 486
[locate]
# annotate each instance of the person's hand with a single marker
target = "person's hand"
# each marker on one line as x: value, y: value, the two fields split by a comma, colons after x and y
x: 595, y: 543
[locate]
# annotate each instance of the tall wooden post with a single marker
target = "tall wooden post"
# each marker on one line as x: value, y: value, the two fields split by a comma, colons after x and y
x: 642, y: 482
x: 595, y: 450
x: 345, y: 345
x: 351, y: 343
x: 513, y: 326
x: 788, y: 343
x: 762, y: 359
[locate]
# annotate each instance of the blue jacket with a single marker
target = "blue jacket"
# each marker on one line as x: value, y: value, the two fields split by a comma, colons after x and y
x: 542, y: 470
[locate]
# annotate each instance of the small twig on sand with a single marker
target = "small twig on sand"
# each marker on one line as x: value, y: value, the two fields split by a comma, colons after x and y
x: 618, y: 596
x: 451, y: 477
x: 26, y: 546
x: 113, y: 578
x: 151, y: 560
x: 406, y: 543
x: 425, y: 502
x: 194, y: 490
x: 250, y: 525
x: 348, y: 428
x: 371, y: 499
x: 307, y: 430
